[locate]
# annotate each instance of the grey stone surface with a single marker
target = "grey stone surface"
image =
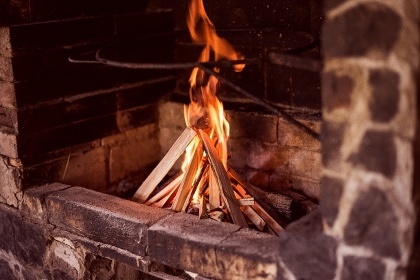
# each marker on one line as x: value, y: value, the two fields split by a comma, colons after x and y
x: 377, y: 153
x: 362, y: 268
x: 103, y: 218
x: 331, y: 191
x: 373, y: 223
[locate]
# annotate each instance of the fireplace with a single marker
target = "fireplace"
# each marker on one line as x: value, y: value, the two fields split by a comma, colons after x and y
x: 77, y: 139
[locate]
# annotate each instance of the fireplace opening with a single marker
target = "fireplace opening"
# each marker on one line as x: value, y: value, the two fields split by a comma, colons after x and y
x: 79, y: 137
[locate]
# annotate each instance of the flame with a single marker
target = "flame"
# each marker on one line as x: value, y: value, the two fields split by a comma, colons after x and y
x: 205, y: 109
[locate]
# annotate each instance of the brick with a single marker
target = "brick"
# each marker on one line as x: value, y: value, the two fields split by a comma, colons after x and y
x: 8, y: 143
x: 10, y: 184
x: 33, y: 144
x: 33, y: 199
x: 171, y: 115
x: 80, y: 167
x: 132, y: 157
x: 285, y: 160
x: 238, y: 149
x: 7, y: 96
x: 103, y: 218
x: 53, y: 34
x: 129, y: 119
x: 291, y: 136
x: 144, y: 94
x: 9, y: 118
x: 6, y: 69
x: 308, y: 186
x: 253, y: 126
x: 5, y: 45
x: 341, y: 37
x: 39, y: 118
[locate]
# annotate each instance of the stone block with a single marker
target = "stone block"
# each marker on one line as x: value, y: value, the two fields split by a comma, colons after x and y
x: 9, y: 118
x: 25, y: 240
x: 10, y: 183
x: 132, y: 157
x: 171, y: 115
x: 212, y: 249
x: 7, y: 96
x: 337, y: 91
x: 129, y: 119
x: 362, y: 268
x: 254, y: 126
x: 332, y: 137
x: 290, y: 136
x: 374, y: 223
x: 103, y: 218
x: 342, y: 38
x: 87, y: 169
x: 307, y: 252
x: 331, y: 192
x: 33, y: 199
x: 8, y: 142
x: 6, y: 69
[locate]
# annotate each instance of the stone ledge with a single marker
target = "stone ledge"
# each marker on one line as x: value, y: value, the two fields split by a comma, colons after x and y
x: 103, y: 218
x: 213, y: 249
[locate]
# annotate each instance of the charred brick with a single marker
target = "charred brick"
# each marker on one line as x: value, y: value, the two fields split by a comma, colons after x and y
x: 372, y: 223
x: 377, y: 153
x: 332, y: 137
x: 365, y: 29
x: 362, y: 268
x: 331, y: 191
x: 336, y: 91
x: 384, y: 101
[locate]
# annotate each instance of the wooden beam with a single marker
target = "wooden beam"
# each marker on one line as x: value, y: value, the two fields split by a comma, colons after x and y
x: 223, y: 180
x: 149, y: 185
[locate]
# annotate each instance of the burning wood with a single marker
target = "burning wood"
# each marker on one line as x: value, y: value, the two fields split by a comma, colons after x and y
x: 205, y: 186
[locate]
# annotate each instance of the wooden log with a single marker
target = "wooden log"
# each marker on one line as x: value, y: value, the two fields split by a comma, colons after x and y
x: 167, y: 199
x: 201, y: 169
x: 246, y: 201
x: 223, y: 180
x: 276, y: 227
x: 187, y: 182
x: 149, y: 185
x: 202, y: 210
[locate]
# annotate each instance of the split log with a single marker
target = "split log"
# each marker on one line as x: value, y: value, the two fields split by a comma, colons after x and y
x: 223, y: 180
x: 149, y: 185
x: 166, y: 190
x: 187, y: 182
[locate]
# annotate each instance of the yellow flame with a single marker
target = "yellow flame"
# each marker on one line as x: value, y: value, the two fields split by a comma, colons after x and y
x: 204, y: 104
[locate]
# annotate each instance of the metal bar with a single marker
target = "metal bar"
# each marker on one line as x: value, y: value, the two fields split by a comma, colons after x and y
x: 261, y: 102
x: 295, y: 62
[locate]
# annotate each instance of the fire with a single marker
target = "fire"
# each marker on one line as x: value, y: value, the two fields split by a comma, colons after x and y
x: 205, y: 109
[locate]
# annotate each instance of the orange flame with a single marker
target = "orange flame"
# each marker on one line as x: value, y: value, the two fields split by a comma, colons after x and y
x: 205, y: 107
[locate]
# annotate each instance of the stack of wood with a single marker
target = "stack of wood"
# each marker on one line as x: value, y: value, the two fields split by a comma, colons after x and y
x: 234, y: 202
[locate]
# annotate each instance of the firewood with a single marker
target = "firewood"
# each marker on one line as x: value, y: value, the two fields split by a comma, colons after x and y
x: 202, y: 210
x: 167, y: 199
x: 214, y: 191
x: 276, y: 227
x: 149, y: 185
x: 254, y: 217
x: 202, y: 168
x: 246, y: 201
x: 186, y: 184
x: 223, y: 180
x: 165, y: 190
x: 217, y: 215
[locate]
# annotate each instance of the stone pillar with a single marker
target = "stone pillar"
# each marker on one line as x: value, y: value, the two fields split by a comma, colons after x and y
x: 371, y: 52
